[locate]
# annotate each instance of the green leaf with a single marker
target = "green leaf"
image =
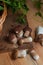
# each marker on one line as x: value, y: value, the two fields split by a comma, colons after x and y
x: 25, y: 9
x: 7, y: 2
x: 17, y: 5
x: 38, y: 4
x: 33, y: 0
x: 39, y: 14
x: 41, y: 3
x: 1, y: 8
x: 21, y: 19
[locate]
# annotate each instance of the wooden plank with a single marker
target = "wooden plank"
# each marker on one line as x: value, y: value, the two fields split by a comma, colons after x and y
x: 4, y: 59
x: 33, y: 21
x: 23, y: 61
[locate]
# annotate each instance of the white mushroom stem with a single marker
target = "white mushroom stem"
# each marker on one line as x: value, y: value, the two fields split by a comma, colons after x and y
x: 34, y: 55
x: 26, y: 34
x: 22, y: 53
x: 20, y: 34
x: 39, y: 30
x: 14, y: 40
x: 26, y: 40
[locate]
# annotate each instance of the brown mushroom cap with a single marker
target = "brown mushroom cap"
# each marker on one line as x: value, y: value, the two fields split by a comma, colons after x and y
x: 18, y: 28
x: 14, y: 54
x: 27, y: 29
x: 12, y: 36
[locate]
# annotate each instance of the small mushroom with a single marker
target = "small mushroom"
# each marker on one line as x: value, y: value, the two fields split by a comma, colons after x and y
x: 13, y: 38
x: 25, y: 40
x: 27, y: 31
x: 34, y: 55
x: 39, y: 35
x: 18, y: 31
x: 19, y: 53
x: 14, y: 54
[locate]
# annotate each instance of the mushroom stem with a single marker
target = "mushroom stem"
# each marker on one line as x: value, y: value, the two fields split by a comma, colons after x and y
x: 34, y: 55
x: 25, y: 40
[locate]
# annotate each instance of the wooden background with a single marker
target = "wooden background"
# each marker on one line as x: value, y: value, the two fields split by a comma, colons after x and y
x: 33, y: 21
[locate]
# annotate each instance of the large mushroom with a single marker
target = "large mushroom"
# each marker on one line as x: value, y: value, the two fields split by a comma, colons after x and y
x: 27, y: 31
x: 13, y: 38
x: 39, y: 35
x: 25, y: 40
x: 18, y: 30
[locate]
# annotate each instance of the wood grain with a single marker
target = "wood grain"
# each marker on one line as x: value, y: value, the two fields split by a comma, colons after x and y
x: 33, y: 21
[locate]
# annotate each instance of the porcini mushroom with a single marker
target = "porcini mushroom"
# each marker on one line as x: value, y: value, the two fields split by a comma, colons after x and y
x: 39, y: 35
x: 34, y: 55
x: 18, y: 30
x: 25, y: 40
x: 19, y: 53
x: 27, y: 31
x: 13, y: 38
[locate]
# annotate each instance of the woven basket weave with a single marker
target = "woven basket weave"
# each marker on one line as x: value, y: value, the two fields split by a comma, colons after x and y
x: 3, y: 17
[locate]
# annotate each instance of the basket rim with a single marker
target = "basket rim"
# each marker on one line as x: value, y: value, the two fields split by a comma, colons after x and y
x: 3, y: 17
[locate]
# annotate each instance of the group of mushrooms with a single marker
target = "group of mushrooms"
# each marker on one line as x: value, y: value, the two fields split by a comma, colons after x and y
x: 22, y: 37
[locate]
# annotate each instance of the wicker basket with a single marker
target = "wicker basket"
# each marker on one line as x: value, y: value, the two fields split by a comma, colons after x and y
x: 3, y: 17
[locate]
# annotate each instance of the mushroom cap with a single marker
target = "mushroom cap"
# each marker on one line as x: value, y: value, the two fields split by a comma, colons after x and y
x: 12, y: 36
x: 27, y: 29
x: 18, y: 28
